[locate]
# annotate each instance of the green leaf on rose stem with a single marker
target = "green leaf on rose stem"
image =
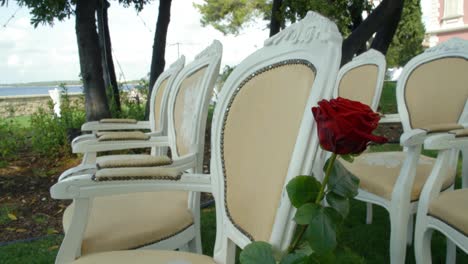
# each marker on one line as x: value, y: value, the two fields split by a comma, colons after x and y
x: 304, y: 248
x: 321, y: 233
x: 302, y: 189
x: 328, y: 258
x: 257, y: 252
x: 342, y: 182
x: 334, y: 215
x: 305, y: 213
x: 295, y: 258
x: 341, y: 204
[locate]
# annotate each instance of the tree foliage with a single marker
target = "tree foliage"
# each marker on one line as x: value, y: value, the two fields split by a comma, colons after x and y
x: 407, y: 41
x: 47, y: 11
x: 229, y: 16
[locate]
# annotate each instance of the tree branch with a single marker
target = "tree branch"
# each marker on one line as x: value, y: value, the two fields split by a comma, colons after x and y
x: 368, y: 27
x: 276, y: 21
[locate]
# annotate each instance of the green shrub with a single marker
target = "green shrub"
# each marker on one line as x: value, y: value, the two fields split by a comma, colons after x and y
x: 134, y: 106
x: 49, y: 133
x: 11, y: 140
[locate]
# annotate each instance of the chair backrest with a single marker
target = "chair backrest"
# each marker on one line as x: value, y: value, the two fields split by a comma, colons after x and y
x: 362, y: 78
x: 263, y: 132
x: 433, y: 86
x: 160, y: 95
x: 189, y: 100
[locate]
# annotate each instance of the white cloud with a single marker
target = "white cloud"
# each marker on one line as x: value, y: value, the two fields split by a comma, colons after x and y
x: 13, y: 61
x: 50, y: 53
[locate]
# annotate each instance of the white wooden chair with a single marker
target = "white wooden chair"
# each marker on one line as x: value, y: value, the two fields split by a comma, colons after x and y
x: 431, y: 94
x: 447, y: 211
x: 362, y: 78
x: 165, y: 220
x: 157, y: 120
x: 253, y: 156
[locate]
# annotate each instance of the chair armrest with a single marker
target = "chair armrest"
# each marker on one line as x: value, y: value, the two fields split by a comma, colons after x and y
x: 413, y: 137
x: 446, y: 141
x: 184, y: 163
x: 98, y: 126
x: 85, y: 146
x: 83, y: 138
x: 83, y: 186
x: 390, y: 118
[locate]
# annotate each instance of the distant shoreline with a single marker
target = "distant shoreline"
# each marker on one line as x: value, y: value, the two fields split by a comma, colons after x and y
x: 51, y: 83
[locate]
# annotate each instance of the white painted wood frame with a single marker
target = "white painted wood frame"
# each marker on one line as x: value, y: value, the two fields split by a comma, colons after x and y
x: 447, y: 145
x: 209, y: 59
x: 400, y: 207
x: 314, y: 42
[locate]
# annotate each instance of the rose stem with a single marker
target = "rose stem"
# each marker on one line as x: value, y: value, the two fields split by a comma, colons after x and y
x: 302, y: 228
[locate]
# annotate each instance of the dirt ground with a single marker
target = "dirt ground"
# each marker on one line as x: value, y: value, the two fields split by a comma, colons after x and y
x: 26, y: 209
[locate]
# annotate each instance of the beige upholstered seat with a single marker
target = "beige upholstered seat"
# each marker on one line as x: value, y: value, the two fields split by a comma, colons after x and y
x: 134, y: 160
x: 121, y: 135
x: 378, y: 172
x: 119, y: 120
x: 133, y: 215
x: 452, y: 208
x: 145, y: 256
x: 275, y: 86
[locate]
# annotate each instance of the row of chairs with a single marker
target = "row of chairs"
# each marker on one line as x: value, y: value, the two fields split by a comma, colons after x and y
x: 263, y: 134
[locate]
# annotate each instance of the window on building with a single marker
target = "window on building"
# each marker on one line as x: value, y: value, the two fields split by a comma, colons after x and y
x: 453, y: 9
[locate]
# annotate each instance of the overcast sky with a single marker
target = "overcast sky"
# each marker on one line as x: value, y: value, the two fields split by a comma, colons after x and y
x: 50, y: 53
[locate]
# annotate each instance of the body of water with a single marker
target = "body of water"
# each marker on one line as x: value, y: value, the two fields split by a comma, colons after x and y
x: 35, y: 90
x: 42, y: 90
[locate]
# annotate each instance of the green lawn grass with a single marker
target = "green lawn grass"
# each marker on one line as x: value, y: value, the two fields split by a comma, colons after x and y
x: 23, y: 121
x: 370, y: 242
x: 388, y: 98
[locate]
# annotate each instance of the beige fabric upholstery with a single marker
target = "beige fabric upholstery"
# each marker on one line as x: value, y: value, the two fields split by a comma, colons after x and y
x: 378, y: 172
x: 157, y: 103
x: 137, y: 173
x: 145, y: 256
x: 359, y: 84
x: 136, y: 160
x: 256, y: 162
x: 132, y: 220
x: 460, y: 132
x: 451, y: 207
x: 441, y: 127
x: 118, y: 120
x: 122, y: 135
x: 444, y: 83
x: 186, y: 109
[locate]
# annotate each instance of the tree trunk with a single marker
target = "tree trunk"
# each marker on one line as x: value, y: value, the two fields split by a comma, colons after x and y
x: 356, y: 18
x: 383, y: 37
x: 159, y: 47
x: 110, y: 80
x: 275, y: 22
x: 90, y: 61
x: 368, y: 27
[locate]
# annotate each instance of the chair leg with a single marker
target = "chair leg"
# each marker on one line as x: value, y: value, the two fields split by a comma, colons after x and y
x: 409, y: 236
x: 369, y: 213
x: 225, y: 251
x: 451, y: 252
x: 398, y: 233
x: 422, y: 245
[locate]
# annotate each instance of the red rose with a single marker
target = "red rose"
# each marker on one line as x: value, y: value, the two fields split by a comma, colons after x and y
x: 345, y: 126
